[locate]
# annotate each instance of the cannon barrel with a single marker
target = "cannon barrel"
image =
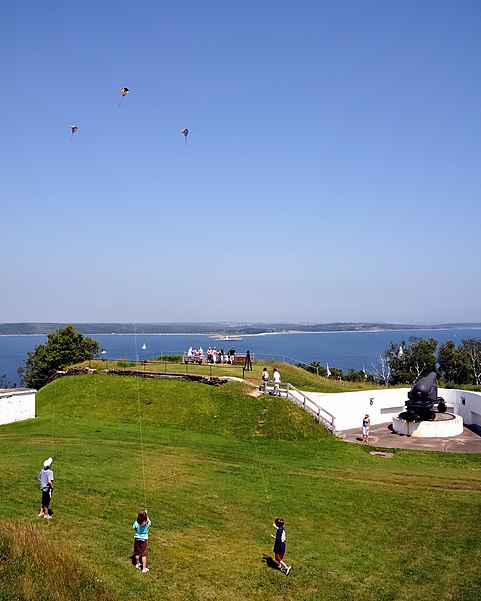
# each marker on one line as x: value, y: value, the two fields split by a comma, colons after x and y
x: 422, y: 398
x: 424, y: 390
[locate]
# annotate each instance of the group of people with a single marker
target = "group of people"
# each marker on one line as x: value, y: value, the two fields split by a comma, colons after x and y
x: 142, y: 524
x: 276, y: 379
x: 213, y: 355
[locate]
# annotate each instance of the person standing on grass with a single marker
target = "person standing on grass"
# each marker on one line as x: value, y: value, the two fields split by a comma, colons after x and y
x: 46, y: 486
x: 265, y: 379
x: 276, y: 378
x: 280, y: 545
x: 248, y: 361
x: 141, y: 539
x: 366, y: 424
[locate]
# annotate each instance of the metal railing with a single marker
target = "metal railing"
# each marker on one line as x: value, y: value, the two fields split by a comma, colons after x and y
x: 300, y: 399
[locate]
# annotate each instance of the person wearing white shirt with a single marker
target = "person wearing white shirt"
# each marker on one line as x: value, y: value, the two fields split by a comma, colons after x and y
x: 276, y: 378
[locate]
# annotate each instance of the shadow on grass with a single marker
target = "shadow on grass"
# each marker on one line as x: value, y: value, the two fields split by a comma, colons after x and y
x: 267, y: 559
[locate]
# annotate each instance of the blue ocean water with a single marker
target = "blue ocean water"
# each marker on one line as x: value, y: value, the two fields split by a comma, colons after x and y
x: 338, y: 349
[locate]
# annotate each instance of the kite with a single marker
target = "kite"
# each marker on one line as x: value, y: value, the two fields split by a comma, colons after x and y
x: 186, y: 133
x: 74, y: 128
x: 124, y: 92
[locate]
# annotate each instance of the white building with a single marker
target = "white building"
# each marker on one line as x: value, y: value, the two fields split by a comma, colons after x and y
x: 16, y: 404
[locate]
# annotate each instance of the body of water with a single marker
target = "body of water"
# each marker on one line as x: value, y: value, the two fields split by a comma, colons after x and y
x: 338, y: 349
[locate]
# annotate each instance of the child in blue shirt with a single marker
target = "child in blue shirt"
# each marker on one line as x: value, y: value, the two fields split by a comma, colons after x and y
x: 280, y: 544
x: 141, y: 538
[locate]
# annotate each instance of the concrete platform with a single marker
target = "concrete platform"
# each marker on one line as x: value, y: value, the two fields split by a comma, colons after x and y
x: 383, y: 436
x: 444, y: 425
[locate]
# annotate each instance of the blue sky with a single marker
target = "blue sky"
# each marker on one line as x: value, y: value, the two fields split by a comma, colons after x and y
x: 332, y: 170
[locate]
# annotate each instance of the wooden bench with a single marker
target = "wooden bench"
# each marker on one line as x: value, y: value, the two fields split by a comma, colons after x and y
x: 199, y: 359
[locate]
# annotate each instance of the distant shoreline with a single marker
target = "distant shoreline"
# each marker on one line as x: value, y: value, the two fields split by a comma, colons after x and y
x: 407, y: 328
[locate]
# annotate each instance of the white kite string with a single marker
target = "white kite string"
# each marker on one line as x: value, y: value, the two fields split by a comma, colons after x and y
x: 132, y: 280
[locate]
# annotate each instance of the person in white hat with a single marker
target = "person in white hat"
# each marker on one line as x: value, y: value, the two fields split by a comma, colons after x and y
x: 46, y: 486
x: 366, y: 424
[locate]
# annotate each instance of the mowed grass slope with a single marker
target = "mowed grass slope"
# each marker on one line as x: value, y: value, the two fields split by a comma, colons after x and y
x: 214, y: 467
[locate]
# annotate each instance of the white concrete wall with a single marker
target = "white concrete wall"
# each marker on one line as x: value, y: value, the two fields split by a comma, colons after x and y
x: 16, y: 404
x: 465, y: 403
x: 349, y: 408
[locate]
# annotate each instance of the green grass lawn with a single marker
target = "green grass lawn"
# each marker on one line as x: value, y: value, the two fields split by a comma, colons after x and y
x: 214, y: 466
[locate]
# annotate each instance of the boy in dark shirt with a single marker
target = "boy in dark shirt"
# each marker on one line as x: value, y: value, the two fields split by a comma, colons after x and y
x: 280, y: 544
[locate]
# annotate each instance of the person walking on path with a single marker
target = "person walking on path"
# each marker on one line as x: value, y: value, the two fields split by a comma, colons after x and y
x: 46, y: 486
x: 280, y: 545
x: 276, y: 378
x: 265, y: 379
x: 141, y: 540
x: 366, y: 423
x: 248, y: 361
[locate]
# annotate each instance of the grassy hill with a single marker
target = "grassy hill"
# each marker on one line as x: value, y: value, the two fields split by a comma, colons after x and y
x: 298, y: 377
x: 214, y: 466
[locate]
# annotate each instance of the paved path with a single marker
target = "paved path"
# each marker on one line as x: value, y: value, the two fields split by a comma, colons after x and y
x: 384, y: 437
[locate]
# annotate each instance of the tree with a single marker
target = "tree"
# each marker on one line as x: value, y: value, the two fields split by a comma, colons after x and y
x: 4, y: 383
x: 472, y: 349
x: 63, y: 348
x: 336, y: 373
x: 413, y: 362
x: 360, y: 375
x: 316, y: 368
x: 381, y: 373
x: 454, y: 364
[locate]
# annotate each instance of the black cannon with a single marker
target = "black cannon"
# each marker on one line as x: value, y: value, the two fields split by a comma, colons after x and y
x: 423, y: 398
